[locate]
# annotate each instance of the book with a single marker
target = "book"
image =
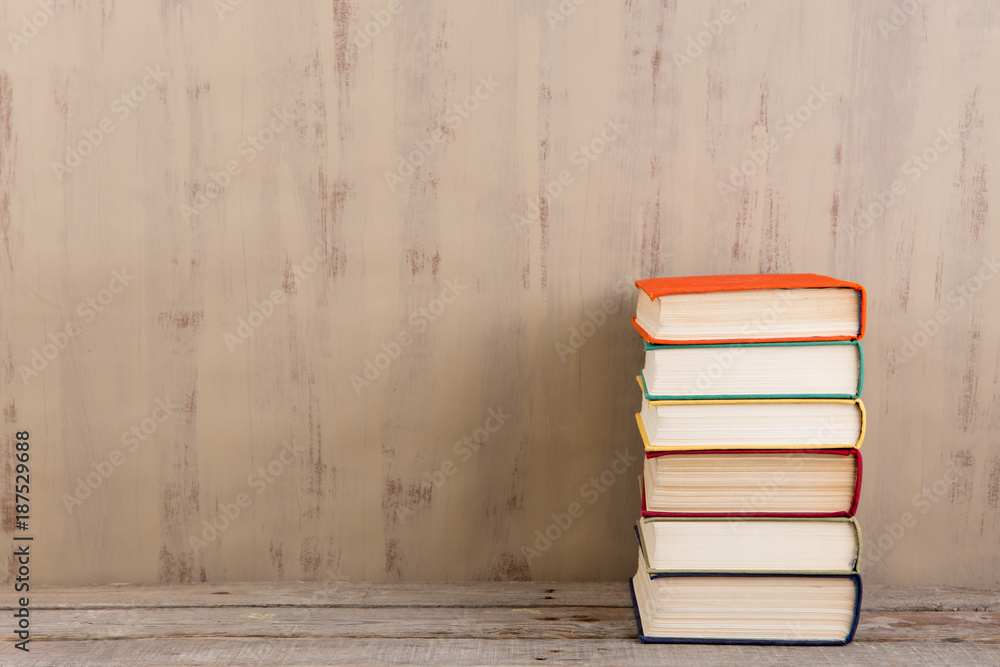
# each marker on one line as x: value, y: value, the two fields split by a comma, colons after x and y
x: 768, y: 483
x: 759, y: 370
x: 748, y: 308
x: 735, y: 608
x: 750, y: 423
x: 704, y: 545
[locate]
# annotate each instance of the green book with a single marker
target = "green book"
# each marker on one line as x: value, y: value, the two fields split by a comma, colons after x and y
x: 739, y: 371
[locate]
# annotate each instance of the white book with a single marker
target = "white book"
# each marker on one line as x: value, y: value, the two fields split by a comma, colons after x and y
x: 746, y: 609
x: 686, y: 544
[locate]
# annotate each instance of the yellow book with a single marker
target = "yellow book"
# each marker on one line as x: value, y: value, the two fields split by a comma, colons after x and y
x: 782, y: 423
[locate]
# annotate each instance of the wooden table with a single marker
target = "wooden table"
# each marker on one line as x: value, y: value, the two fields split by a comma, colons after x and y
x: 338, y: 623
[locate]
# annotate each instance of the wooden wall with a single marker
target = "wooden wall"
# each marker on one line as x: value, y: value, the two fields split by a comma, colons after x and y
x: 460, y: 194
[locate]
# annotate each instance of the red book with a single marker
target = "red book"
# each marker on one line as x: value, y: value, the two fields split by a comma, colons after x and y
x: 755, y: 308
x: 752, y: 483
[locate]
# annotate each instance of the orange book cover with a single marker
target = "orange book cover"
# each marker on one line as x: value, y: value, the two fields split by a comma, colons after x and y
x: 657, y: 287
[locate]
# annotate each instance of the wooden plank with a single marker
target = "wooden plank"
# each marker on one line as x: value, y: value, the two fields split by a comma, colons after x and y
x: 191, y: 652
x: 359, y: 623
x: 399, y: 622
x: 340, y: 594
x: 486, y: 594
x: 964, y: 626
x: 929, y: 598
x: 463, y: 622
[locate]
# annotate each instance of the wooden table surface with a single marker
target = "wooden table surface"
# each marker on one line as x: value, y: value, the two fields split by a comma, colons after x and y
x: 336, y: 623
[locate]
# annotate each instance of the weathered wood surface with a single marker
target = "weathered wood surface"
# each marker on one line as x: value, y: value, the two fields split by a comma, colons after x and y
x: 452, y: 624
x: 316, y: 652
x: 463, y: 622
x: 405, y: 594
x: 339, y: 594
x: 929, y: 598
x: 375, y: 488
x: 394, y: 622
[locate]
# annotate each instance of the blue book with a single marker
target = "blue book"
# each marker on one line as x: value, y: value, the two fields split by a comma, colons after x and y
x: 792, y: 609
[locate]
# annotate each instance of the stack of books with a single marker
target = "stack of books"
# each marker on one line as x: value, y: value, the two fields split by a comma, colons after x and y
x: 751, y: 421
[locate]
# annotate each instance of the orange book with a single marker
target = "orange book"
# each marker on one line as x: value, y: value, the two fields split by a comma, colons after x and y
x: 757, y: 308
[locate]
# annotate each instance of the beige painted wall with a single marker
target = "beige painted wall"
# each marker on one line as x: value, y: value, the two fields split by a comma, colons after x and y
x: 349, y: 501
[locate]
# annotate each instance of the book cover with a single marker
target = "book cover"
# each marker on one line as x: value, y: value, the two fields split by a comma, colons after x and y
x: 657, y: 287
